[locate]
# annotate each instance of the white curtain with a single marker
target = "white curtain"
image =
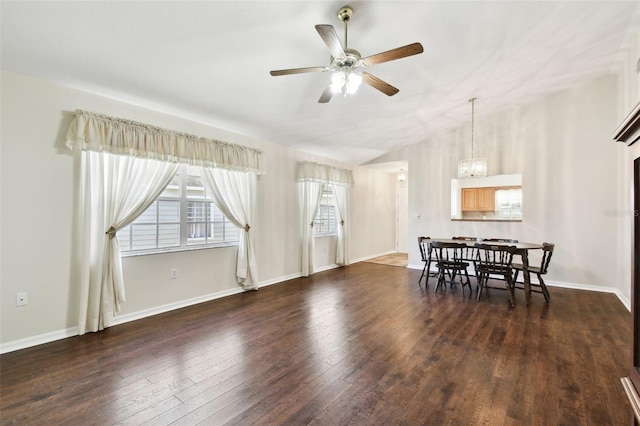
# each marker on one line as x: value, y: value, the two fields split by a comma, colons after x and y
x: 308, y: 171
x: 310, y: 194
x: 311, y: 180
x: 90, y: 131
x: 341, y: 197
x: 125, y: 165
x: 234, y: 193
x: 114, y: 190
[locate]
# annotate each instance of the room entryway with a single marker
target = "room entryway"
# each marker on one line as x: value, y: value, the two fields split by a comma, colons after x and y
x: 393, y: 259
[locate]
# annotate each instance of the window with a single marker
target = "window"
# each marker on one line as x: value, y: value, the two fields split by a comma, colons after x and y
x: 509, y: 203
x: 182, y: 217
x: 325, y: 221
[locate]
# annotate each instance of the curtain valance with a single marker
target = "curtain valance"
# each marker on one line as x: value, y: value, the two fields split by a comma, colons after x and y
x: 314, y: 172
x: 96, y: 132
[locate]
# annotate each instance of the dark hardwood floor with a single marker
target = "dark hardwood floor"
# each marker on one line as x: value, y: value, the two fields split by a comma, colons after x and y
x: 356, y: 345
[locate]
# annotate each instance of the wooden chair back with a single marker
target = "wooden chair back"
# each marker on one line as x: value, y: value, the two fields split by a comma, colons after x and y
x: 425, y: 248
x: 453, y: 252
x: 494, y: 259
x: 547, y: 249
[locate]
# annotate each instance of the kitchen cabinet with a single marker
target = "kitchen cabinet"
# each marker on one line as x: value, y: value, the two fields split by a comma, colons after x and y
x: 478, y: 199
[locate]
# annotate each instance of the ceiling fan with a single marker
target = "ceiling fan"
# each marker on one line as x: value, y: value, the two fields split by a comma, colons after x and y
x: 348, y: 65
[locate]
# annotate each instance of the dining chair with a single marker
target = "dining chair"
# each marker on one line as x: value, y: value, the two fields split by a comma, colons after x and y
x: 540, y: 287
x: 494, y: 263
x: 451, y: 259
x: 426, y: 253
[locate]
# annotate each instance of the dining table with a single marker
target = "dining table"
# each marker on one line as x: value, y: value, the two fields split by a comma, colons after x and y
x: 522, y: 249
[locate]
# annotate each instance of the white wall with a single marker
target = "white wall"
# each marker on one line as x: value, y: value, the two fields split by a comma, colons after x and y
x: 561, y: 144
x: 628, y: 96
x: 373, y: 202
x: 38, y: 194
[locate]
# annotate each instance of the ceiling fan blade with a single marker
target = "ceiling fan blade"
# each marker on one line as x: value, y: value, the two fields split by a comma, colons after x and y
x: 393, y: 54
x: 297, y: 71
x: 376, y: 83
x: 330, y: 38
x: 326, y: 95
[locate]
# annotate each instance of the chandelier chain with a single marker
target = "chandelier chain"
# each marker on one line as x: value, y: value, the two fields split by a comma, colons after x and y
x: 473, y: 104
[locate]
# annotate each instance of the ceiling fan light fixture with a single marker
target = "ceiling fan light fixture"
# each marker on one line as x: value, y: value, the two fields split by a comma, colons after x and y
x: 345, y: 82
x: 338, y: 79
x: 345, y: 61
x: 354, y: 81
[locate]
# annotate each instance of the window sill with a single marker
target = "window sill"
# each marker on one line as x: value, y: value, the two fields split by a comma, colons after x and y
x: 176, y: 250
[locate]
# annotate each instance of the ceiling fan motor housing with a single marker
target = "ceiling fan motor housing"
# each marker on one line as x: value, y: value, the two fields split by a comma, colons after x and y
x: 352, y: 60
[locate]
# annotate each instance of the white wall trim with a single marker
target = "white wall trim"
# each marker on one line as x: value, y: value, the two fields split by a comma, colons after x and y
x: 326, y: 268
x: 121, y: 319
x: 40, y: 339
x: 279, y: 279
x: 575, y: 286
x: 118, y: 319
x: 73, y: 331
x: 588, y: 287
x: 362, y: 259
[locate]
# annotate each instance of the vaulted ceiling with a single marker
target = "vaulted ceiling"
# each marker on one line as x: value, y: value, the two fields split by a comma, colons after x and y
x: 210, y: 61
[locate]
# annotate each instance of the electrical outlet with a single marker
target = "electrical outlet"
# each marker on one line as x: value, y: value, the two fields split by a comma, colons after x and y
x: 21, y: 299
x: 173, y: 273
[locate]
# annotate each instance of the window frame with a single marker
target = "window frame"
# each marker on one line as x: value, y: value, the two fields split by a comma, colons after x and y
x: 332, y: 232
x: 184, y: 223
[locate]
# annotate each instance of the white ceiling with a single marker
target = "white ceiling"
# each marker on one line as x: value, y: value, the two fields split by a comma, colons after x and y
x: 210, y: 61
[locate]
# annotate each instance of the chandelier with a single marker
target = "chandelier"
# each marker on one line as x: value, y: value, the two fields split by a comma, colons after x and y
x: 472, y: 167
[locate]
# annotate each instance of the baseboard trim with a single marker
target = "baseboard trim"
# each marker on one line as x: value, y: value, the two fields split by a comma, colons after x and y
x: 117, y: 320
x: 326, y: 268
x: 587, y: 287
x: 574, y: 286
x: 40, y: 339
x: 121, y: 319
x: 362, y: 259
x: 279, y: 280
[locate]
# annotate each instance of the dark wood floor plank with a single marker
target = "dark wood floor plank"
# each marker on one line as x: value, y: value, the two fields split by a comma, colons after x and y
x: 356, y: 345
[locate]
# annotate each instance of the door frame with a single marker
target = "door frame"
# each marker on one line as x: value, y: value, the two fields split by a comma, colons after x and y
x: 406, y: 212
